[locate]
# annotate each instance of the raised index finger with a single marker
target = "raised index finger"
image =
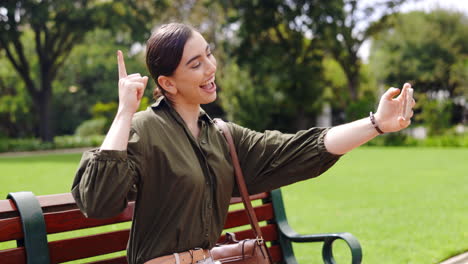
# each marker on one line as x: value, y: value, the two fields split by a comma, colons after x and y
x: 121, y: 65
x: 405, y: 90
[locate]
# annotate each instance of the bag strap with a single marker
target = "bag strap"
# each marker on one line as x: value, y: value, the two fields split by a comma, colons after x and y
x: 240, y: 178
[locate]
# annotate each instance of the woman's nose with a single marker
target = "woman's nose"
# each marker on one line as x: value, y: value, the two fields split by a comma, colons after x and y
x: 211, y: 66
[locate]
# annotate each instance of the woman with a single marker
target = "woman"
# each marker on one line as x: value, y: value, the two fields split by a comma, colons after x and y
x: 175, y: 160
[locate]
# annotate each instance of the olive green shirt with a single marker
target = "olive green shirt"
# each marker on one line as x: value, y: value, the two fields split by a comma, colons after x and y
x: 183, y: 184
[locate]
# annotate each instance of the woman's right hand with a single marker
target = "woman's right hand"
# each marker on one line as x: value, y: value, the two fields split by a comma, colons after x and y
x: 131, y: 88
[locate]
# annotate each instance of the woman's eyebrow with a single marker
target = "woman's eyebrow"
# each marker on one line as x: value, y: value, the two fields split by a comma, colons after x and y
x: 197, y: 56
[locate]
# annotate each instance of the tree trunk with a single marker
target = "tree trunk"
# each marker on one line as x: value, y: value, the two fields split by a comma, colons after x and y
x: 301, y: 120
x: 43, y: 104
x: 352, y: 76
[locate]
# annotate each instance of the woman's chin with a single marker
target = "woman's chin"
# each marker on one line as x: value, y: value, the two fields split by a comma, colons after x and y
x: 210, y: 98
x: 210, y: 94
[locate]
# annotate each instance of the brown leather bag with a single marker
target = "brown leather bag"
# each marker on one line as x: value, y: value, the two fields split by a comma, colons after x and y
x: 248, y: 251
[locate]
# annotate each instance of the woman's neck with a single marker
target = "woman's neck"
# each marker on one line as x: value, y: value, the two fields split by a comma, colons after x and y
x: 189, y: 114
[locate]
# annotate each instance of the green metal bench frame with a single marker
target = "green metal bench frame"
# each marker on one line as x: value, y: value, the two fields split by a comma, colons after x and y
x: 287, y: 235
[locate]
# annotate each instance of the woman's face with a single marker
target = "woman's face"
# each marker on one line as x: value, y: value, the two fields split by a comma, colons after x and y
x: 195, y: 75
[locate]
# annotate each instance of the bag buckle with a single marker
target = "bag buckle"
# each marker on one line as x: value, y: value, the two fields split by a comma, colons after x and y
x: 260, y: 240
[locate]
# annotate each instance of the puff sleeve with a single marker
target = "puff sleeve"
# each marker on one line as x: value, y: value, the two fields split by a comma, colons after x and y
x: 273, y: 159
x: 105, y: 179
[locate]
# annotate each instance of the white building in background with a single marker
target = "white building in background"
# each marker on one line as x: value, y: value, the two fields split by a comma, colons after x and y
x: 325, y: 118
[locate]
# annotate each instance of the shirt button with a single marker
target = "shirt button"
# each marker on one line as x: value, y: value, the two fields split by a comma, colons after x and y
x: 203, y: 141
x: 206, y: 234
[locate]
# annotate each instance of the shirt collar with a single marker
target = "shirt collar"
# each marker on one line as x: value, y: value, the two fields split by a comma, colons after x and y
x: 162, y: 102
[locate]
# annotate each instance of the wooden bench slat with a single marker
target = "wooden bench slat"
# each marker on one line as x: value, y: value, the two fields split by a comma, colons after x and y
x: 55, y: 199
x: 236, y: 200
x: 239, y: 217
x: 88, y: 246
x: 8, y: 206
x: 117, y: 260
x: 46, y: 201
x: 13, y: 255
x: 73, y: 220
x: 275, y: 253
x: 10, y: 229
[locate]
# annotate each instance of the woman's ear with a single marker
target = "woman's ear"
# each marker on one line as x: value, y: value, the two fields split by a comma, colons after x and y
x: 168, y: 84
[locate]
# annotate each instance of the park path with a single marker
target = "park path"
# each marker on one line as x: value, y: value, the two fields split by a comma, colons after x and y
x: 460, y: 259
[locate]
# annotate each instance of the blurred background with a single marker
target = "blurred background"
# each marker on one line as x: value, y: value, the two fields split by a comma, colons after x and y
x: 282, y: 64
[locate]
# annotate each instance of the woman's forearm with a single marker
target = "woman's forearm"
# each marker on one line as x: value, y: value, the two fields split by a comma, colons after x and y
x: 393, y: 114
x: 343, y: 138
x: 117, y: 137
x: 131, y: 89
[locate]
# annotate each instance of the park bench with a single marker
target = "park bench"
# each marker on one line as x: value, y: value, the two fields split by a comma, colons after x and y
x: 38, y: 217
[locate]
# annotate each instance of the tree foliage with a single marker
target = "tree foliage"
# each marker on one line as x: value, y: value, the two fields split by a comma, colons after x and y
x: 56, y: 28
x: 91, y: 78
x: 15, y: 112
x: 280, y: 45
x: 352, y: 25
x: 429, y: 50
x: 286, y: 47
x: 278, y: 61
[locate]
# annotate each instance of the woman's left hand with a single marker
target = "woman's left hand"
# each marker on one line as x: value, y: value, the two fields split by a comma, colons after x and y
x: 391, y: 115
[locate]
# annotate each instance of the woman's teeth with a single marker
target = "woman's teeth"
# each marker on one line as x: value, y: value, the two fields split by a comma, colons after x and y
x: 210, y: 81
x: 207, y: 86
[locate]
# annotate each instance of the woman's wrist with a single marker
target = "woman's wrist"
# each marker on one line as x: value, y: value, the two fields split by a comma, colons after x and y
x: 376, y: 122
x: 123, y: 115
x: 117, y: 136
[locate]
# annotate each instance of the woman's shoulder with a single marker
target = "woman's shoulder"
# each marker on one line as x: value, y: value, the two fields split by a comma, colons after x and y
x: 148, y: 118
x: 243, y: 134
x: 239, y: 129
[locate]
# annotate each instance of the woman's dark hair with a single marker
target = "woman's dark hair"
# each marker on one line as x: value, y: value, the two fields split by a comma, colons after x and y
x: 164, y: 51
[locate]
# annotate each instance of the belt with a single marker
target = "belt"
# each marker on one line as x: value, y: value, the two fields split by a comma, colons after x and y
x: 187, y: 257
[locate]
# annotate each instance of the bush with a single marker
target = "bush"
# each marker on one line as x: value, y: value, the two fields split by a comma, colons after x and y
x: 78, y: 141
x: 60, y: 142
x: 446, y: 141
x: 91, y: 127
x: 24, y: 144
x: 107, y: 112
x: 400, y: 139
x: 359, y: 108
x: 436, y: 114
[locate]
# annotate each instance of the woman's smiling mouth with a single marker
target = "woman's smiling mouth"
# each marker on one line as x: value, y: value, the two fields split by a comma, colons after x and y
x: 209, y: 86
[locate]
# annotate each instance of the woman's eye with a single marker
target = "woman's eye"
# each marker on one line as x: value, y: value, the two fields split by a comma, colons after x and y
x: 196, y: 65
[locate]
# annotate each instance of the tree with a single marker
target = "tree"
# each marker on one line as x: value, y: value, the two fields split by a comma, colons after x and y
x: 90, y: 78
x: 280, y: 45
x: 337, y: 92
x: 351, y: 26
x: 427, y: 49
x: 15, y: 115
x: 57, y: 27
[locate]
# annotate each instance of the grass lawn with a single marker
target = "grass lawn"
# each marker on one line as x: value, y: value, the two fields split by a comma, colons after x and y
x: 405, y: 205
